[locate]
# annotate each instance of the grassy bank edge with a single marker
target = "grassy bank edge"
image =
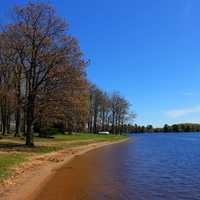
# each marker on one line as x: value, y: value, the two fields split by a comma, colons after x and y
x: 12, y: 156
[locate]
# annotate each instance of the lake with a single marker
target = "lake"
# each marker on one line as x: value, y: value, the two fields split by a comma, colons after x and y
x: 147, y: 167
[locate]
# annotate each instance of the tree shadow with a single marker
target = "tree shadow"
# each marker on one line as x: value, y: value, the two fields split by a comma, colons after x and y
x: 6, y: 146
x: 11, y: 146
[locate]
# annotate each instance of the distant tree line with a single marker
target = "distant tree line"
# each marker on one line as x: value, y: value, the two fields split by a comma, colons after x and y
x: 184, y: 127
x: 43, y: 82
x: 108, y: 112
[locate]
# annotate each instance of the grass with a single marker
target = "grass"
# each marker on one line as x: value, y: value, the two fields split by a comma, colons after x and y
x: 88, y: 136
x: 7, y: 162
x: 13, y: 151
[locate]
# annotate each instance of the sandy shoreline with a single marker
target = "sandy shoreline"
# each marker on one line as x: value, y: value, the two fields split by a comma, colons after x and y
x: 32, y: 176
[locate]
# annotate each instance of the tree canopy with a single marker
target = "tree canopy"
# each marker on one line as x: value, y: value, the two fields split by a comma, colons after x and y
x: 43, y: 80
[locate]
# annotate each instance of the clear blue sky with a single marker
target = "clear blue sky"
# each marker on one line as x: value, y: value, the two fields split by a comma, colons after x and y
x: 147, y: 50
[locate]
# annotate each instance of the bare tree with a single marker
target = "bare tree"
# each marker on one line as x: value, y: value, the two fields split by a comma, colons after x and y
x: 37, y: 36
x: 43, y: 78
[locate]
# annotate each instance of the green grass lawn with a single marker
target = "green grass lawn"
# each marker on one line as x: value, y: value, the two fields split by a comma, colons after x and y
x: 13, y: 151
x: 8, y: 161
x: 89, y: 136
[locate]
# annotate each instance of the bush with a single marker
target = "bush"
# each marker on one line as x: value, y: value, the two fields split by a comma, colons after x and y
x: 60, y: 127
x: 48, y: 132
x: 37, y: 127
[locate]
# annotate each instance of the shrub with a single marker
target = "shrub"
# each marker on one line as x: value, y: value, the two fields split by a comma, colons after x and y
x: 48, y: 132
x: 60, y: 127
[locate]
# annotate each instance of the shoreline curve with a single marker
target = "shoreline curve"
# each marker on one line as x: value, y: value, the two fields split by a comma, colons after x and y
x: 30, y: 181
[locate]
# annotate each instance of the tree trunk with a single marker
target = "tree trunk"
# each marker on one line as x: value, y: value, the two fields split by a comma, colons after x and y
x: 8, y: 120
x: 95, y: 118
x: 30, y: 120
x: 3, y: 115
x: 17, y: 121
x: 23, y: 128
x: 70, y: 126
x: 4, y: 125
x: 103, y: 121
x: 113, y: 123
x: 18, y: 110
x: 1, y: 126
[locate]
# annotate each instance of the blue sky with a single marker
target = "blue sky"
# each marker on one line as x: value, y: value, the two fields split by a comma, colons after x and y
x: 147, y: 50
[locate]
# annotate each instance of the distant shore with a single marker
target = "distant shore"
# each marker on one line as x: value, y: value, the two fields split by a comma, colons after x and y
x: 33, y: 175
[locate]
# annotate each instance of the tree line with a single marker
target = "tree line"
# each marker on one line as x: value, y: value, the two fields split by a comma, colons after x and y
x: 184, y: 127
x: 43, y: 80
x: 108, y: 112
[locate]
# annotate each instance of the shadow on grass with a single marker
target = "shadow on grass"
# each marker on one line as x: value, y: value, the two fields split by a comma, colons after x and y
x: 6, y: 146
x: 15, y: 147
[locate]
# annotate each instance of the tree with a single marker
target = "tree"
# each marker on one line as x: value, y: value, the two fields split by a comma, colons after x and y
x: 119, y: 112
x: 6, y: 85
x: 43, y: 81
x: 96, y: 100
x: 166, y: 128
x: 66, y: 94
x: 149, y: 128
x: 37, y: 37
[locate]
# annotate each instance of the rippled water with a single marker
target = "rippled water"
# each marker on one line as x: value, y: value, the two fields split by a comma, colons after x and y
x: 155, y: 167
x: 148, y: 167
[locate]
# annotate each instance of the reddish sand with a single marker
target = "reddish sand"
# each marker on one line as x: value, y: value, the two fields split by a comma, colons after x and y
x: 87, y: 177
x: 35, y: 177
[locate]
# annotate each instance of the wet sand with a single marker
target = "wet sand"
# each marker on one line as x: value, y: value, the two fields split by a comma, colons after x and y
x: 46, y: 172
x: 85, y: 177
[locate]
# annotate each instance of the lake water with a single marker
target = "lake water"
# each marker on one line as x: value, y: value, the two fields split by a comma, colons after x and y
x: 148, y: 167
